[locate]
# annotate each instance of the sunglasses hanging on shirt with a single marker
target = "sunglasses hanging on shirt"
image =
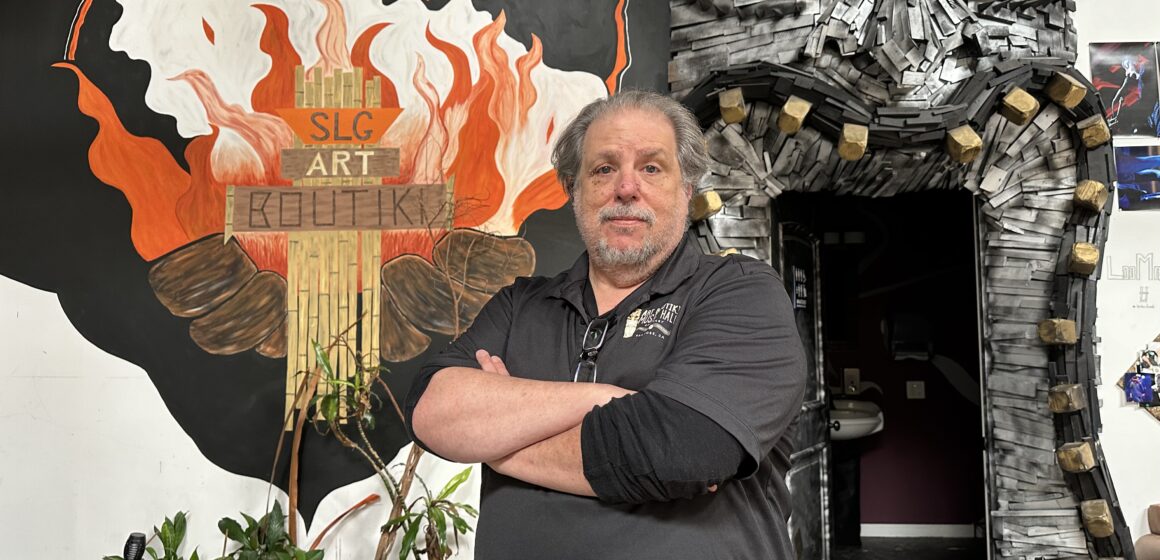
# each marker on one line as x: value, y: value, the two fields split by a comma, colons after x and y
x: 594, y: 337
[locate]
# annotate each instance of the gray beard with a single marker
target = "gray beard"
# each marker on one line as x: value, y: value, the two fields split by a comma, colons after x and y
x: 629, y: 266
x: 612, y: 258
x: 609, y: 257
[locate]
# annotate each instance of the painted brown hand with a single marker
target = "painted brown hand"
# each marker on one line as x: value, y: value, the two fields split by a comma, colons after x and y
x: 469, y: 268
x: 236, y: 308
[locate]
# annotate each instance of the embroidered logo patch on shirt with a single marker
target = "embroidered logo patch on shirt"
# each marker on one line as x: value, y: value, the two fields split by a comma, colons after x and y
x: 656, y: 322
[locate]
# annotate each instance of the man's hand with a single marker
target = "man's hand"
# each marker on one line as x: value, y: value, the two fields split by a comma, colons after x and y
x: 490, y: 364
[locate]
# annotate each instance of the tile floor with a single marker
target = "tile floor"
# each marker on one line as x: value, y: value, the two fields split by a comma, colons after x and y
x: 912, y: 549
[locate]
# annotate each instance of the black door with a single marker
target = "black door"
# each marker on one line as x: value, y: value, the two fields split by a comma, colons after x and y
x: 797, y: 256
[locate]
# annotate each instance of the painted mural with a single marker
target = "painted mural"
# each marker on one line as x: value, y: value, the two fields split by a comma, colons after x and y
x: 221, y: 184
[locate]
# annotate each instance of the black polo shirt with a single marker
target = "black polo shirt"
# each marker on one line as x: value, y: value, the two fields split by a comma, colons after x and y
x: 716, y: 334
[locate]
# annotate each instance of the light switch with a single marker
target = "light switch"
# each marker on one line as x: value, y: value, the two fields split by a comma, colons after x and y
x: 916, y: 389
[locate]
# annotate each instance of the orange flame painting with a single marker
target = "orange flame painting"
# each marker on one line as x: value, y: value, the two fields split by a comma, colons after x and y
x: 476, y: 111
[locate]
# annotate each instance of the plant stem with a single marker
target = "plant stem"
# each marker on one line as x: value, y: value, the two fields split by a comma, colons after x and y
x: 388, y: 537
x: 373, y: 498
x: 373, y: 458
x: 311, y: 387
x: 391, y: 395
x: 304, y: 396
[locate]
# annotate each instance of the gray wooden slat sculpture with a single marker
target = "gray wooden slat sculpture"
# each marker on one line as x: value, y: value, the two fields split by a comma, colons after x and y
x: 937, y: 85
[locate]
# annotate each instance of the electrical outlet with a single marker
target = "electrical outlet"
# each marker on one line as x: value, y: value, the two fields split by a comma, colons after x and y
x: 851, y: 381
x: 916, y: 389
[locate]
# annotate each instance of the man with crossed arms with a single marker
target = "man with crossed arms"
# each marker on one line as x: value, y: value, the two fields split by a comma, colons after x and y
x: 643, y: 403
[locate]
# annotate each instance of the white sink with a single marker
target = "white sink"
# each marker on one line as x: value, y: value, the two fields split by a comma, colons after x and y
x: 850, y: 419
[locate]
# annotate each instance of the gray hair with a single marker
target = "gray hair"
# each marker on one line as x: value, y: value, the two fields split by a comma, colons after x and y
x: 692, y: 153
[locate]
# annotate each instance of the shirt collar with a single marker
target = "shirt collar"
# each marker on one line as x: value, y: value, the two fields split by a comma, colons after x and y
x: 677, y: 268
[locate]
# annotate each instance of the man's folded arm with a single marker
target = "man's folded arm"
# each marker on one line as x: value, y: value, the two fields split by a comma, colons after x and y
x: 640, y: 448
x: 650, y: 448
x: 462, y: 413
x: 468, y: 415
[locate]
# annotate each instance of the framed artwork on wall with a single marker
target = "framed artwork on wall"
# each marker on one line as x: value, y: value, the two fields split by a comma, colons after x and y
x: 1138, y: 177
x: 1125, y: 76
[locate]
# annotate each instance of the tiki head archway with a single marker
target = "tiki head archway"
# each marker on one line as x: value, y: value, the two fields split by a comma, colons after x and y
x: 1006, y: 117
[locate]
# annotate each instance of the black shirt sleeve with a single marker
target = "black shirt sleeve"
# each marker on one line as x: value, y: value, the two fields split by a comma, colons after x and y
x: 647, y: 447
x: 738, y: 358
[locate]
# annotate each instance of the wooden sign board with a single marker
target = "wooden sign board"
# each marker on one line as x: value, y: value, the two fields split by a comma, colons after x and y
x: 313, y: 163
x: 338, y: 208
x: 340, y: 126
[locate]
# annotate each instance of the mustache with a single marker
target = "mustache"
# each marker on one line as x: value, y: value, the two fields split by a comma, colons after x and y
x: 626, y: 211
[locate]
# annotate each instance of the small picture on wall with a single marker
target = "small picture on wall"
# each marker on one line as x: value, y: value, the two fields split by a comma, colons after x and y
x: 1138, y: 177
x: 1140, y: 388
x: 1125, y: 76
x: 1150, y: 359
x: 1140, y: 385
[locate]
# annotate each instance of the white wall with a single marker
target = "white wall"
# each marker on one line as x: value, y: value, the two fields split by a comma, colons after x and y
x: 1131, y: 437
x: 89, y: 453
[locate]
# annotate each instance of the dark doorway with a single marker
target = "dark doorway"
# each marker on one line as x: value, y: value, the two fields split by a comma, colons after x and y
x: 900, y: 329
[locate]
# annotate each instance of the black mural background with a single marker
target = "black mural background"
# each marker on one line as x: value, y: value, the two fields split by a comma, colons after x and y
x: 64, y: 231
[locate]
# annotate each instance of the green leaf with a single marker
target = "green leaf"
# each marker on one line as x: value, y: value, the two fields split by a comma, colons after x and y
x: 461, y: 526
x: 152, y: 553
x: 329, y: 407
x: 251, y: 524
x: 394, y: 524
x: 470, y: 510
x: 454, y: 483
x: 112, y: 558
x: 179, y: 527
x: 408, y: 540
x: 194, y: 555
x: 282, y: 555
x: 167, y: 536
x: 276, y: 529
x: 314, y: 555
x: 323, y: 359
x: 231, y: 529
x: 440, y: 524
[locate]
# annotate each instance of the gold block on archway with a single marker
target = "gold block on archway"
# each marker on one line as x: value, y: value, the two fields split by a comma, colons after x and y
x: 854, y: 142
x: 704, y: 205
x: 1094, y: 131
x: 1058, y: 331
x: 1019, y: 107
x: 1065, y: 90
x: 1076, y: 457
x: 1097, y: 518
x: 1062, y: 399
x: 793, y: 115
x: 732, y: 103
x: 1091, y: 195
x: 964, y: 144
x: 1083, y: 259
